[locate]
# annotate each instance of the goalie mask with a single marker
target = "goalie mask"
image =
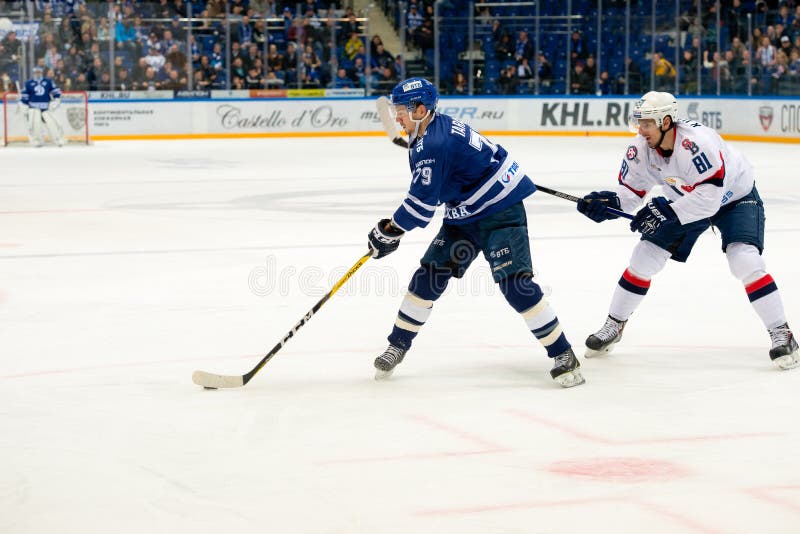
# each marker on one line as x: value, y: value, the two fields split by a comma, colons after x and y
x: 653, y: 105
x: 37, y: 73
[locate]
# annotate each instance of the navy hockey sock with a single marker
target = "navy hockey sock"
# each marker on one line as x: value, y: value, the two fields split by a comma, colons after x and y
x: 427, y: 285
x: 526, y: 297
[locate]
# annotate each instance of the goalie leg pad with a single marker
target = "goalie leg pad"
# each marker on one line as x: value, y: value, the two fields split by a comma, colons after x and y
x: 35, y: 133
x: 53, y: 126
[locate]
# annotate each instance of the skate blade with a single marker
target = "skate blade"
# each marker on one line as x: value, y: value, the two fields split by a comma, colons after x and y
x: 591, y: 353
x: 570, y: 379
x: 788, y: 361
x: 382, y: 375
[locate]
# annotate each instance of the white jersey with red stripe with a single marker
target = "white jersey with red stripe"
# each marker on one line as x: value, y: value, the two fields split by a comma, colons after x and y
x: 702, y: 174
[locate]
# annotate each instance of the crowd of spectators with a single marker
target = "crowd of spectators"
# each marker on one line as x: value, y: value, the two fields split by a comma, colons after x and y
x: 509, y: 63
x: 276, y: 44
x: 273, y: 44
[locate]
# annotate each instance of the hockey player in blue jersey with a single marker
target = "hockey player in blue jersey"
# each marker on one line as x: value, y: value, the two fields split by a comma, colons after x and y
x: 40, y: 97
x: 482, y: 188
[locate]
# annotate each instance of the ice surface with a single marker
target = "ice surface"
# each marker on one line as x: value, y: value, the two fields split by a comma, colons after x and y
x: 125, y: 266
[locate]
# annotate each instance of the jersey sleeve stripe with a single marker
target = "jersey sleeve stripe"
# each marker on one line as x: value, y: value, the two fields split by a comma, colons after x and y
x: 417, y: 209
x: 423, y: 217
x: 420, y: 203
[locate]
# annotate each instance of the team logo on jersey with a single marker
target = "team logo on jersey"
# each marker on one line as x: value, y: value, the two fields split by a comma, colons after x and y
x: 765, y: 116
x: 632, y: 152
x: 416, y: 84
x: 76, y: 117
x: 510, y: 173
x: 690, y: 145
x: 676, y: 184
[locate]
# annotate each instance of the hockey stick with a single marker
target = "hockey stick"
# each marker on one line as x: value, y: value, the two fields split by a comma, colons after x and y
x: 385, y: 114
x: 565, y: 196
x: 214, y: 381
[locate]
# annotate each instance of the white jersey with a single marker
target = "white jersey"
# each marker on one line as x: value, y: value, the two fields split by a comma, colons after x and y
x: 702, y: 174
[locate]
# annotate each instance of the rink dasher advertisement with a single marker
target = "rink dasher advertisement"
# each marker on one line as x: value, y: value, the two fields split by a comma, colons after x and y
x: 742, y: 119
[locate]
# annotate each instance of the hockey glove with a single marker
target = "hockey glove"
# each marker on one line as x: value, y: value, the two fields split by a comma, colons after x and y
x: 653, y: 215
x: 54, y: 104
x: 595, y: 203
x: 384, y: 238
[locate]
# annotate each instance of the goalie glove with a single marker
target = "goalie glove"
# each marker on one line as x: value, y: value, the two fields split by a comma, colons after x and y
x: 54, y: 104
x: 384, y: 238
x: 653, y: 215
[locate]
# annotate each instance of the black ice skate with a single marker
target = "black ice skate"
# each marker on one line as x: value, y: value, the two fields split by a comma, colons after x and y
x: 566, y: 370
x: 386, y: 362
x: 603, y: 341
x: 784, y: 351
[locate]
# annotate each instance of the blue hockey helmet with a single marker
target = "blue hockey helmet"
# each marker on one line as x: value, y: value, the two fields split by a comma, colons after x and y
x: 414, y: 91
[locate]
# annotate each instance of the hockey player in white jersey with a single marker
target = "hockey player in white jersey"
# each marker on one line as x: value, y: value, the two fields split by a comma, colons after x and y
x: 482, y: 188
x: 40, y: 97
x: 707, y: 183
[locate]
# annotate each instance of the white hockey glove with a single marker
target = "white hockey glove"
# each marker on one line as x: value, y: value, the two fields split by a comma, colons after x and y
x: 54, y: 104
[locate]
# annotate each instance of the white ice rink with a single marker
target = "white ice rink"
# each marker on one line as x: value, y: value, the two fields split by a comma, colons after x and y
x: 125, y: 266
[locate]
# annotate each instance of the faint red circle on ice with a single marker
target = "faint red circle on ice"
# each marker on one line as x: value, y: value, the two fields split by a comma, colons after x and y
x: 620, y: 469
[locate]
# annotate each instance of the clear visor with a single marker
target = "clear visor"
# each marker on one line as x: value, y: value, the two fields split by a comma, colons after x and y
x: 633, y: 121
x: 400, y: 110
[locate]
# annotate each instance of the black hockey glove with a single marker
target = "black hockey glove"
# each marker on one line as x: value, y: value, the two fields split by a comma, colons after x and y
x: 384, y: 238
x: 595, y: 203
x: 653, y: 215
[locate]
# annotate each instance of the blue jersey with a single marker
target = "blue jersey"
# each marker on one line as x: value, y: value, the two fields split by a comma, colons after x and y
x: 453, y: 164
x: 37, y: 94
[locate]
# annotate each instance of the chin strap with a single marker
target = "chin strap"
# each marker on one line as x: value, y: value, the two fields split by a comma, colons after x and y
x: 664, y: 134
x: 417, y: 123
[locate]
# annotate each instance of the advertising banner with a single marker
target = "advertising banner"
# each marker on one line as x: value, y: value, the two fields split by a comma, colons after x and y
x: 136, y: 115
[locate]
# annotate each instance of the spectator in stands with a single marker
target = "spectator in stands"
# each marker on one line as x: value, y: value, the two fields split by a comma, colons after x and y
x: 590, y: 67
x: 460, y: 84
x: 10, y: 49
x: 689, y: 70
x: 504, y: 48
x: 290, y: 61
x: 524, y: 48
x: 155, y: 59
x: 386, y: 79
x: 735, y: 20
x: 580, y: 82
x: 544, y: 70
x: 272, y: 81
x: 425, y: 35
x: 380, y: 57
x: 664, y: 72
x: 177, y: 58
x: 357, y: 72
x: 414, y: 20
x: 237, y: 68
x: 605, y: 86
x: 275, y: 60
x: 123, y: 82
x: 524, y: 70
x: 342, y: 80
x: 579, y: 51
x: 125, y: 35
x: 508, y: 81
x: 352, y: 46
x: 243, y: 31
x: 216, y: 58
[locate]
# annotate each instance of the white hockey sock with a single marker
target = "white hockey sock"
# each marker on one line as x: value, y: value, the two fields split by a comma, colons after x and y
x: 629, y: 292
x: 766, y: 300
x: 413, y: 313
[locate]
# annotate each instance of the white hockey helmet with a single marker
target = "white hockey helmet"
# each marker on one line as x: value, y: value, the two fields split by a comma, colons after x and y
x: 653, y: 105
